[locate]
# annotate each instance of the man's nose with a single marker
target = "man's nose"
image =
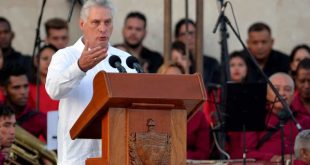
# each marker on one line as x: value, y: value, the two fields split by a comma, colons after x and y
x: 102, y: 27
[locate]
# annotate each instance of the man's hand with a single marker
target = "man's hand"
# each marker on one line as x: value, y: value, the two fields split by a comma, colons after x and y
x: 91, y: 57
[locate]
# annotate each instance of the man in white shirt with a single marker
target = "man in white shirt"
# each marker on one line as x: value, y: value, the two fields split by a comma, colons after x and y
x: 70, y: 78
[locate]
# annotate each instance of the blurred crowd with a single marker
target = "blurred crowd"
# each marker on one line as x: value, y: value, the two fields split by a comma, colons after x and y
x: 25, y: 102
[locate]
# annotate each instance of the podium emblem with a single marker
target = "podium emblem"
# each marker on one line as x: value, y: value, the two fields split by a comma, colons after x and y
x: 149, y: 148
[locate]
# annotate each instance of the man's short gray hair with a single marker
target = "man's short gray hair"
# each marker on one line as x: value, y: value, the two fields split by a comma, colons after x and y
x: 289, y: 78
x: 302, y: 141
x: 91, y: 3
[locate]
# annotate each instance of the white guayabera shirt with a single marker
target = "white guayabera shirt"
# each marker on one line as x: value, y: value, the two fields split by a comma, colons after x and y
x: 74, y: 88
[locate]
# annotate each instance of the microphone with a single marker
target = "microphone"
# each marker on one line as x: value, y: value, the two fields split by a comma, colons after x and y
x: 115, y: 62
x: 220, y: 16
x: 133, y: 63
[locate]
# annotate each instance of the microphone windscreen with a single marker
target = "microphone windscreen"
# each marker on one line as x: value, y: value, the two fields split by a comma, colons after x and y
x: 130, y: 61
x: 113, y: 60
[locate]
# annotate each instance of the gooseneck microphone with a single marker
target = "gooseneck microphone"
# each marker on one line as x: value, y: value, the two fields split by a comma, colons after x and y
x: 116, y: 62
x: 133, y: 63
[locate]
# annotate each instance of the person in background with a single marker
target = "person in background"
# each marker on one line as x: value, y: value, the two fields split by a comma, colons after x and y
x: 238, y: 73
x: 198, y: 140
x: 266, y: 145
x: 302, y: 148
x: 172, y: 68
x: 211, y: 74
x: 301, y: 102
x: 9, y: 53
x: 238, y: 67
x: 178, y: 55
x: 43, y: 59
x: 260, y: 44
x: 16, y: 91
x: 134, y: 32
x: 7, y: 131
x: 57, y: 33
x: 299, y: 53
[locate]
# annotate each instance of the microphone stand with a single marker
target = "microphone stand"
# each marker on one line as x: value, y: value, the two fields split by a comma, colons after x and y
x: 71, y: 11
x: 37, y: 47
x: 282, y: 141
x: 225, y: 72
x: 285, y: 105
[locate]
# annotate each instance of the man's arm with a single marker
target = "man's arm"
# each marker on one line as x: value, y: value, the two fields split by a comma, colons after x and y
x: 63, y: 75
x: 67, y: 70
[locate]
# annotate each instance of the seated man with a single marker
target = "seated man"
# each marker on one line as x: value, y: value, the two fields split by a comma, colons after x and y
x: 302, y: 148
x: 7, y: 131
x: 134, y: 32
x: 266, y: 145
x: 15, y: 87
x: 260, y: 44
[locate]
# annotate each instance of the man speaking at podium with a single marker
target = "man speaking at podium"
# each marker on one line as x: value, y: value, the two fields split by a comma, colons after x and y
x: 71, y: 73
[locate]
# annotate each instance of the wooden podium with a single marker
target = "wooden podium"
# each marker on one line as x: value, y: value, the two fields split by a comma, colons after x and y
x: 141, y: 118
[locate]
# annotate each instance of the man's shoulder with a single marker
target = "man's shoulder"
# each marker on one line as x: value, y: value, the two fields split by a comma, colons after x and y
x: 278, y: 54
x: 148, y: 53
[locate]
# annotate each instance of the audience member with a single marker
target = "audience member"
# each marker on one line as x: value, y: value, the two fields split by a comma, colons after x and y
x: 210, y: 65
x: 301, y: 102
x: 302, y: 148
x: 134, y: 32
x: 16, y: 91
x: 260, y: 43
x: 57, y: 32
x: 7, y: 131
x: 238, y: 73
x: 172, y: 68
x: 238, y: 67
x: 178, y: 55
x: 198, y: 140
x: 299, y: 53
x: 266, y: 145
x: 43, y: 58
x: 9, y: 53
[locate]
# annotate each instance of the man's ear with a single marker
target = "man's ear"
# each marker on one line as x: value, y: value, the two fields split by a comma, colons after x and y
x: 82, y: 22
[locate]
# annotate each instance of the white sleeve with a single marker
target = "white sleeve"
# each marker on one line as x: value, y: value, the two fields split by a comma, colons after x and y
x: 63, y: 75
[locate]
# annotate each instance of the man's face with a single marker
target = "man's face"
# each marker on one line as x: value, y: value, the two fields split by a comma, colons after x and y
x: 98, y: 27
x: 260, y: 44
x: 7, y: 130
x: 134, y: 32
x: 6, y: 35
x: 285, y: 89
x: 303, y: 83
x: 17, y: 90
x: 58, y: 37
x: 45, y: 60
x: 188, y: 39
